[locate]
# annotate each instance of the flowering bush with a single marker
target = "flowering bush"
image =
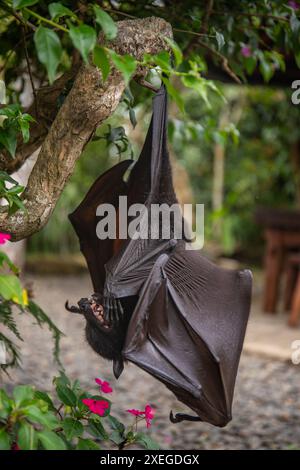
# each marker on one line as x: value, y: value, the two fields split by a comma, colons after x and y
x: 30, y: 419
x: 75, y: 419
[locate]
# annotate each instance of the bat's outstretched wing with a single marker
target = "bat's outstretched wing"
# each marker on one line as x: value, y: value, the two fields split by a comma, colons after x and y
x: 187, y: 331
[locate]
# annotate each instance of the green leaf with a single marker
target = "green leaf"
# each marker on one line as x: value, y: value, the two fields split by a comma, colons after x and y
x: 174, y: 93
x: 220, y: 40
x: 66, y: 395
x: 198, y: 84
x: 266, y: 69
x: 96, y: 429
x: 125, y: 63
x: 57, y: 10
x: 115, y: 424
x: 16, y: 204
x: 5, y: 177
x: 10, y: 264
x: 11, y: 110
x: 250, y: 64
x: 5, y: 404
x: 51, y: 441
x: 45, y: 397
x: 116, y: 437
x: 4, y: 440
x: 24, y: 125
x: 132, y: 117
x: 176, y: 51
x: 87, y: 444
x: 297, y: 59
x: 295, y: 24
x: 108, y: 25
x: 22, y: 393
x: 10, y: 287
x: 146, y: 441
x: 49, y: 50
x: 163, y: 61
x: 72, y: 428
x: 101, y: 61
x: 62, y: 379
x: 27, y: 438
x: 37, y: 416
x: 18, y: 4
x: 2, y: 92
x: 84, y: 39
x: 8, y: 138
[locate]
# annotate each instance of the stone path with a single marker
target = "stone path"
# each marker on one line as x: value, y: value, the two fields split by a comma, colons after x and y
x: 266, y: 412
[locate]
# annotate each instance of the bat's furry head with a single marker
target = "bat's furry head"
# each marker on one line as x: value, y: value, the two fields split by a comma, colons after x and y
x: 106, y: 323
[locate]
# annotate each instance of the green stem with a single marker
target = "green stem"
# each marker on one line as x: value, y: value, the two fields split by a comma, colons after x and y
x: 45, y: 20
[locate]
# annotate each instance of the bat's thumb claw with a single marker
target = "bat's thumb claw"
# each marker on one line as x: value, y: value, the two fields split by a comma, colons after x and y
x: 182, y: 417
x: 72, y: 308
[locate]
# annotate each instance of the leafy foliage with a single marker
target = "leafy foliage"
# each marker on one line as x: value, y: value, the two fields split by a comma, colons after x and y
x: 32, y: 419
x: 14, y: 298
x: 13, y: 121
x: 11, y: 194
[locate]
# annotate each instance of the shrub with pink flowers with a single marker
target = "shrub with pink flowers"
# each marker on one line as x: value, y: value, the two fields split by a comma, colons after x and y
x: 73, y: 419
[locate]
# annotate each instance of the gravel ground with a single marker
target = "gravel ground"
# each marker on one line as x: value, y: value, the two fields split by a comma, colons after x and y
x: 266, y: 411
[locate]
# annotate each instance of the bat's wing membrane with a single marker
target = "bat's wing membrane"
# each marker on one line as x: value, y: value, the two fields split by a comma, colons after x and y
x: 106, y: 189
x: 190, y: 337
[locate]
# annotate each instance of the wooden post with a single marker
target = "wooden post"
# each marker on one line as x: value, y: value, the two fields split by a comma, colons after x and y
x: 295, y: 312
x: 273, y: 266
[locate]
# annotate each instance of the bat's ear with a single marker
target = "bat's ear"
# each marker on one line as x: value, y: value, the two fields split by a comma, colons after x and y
x: 118, y: 367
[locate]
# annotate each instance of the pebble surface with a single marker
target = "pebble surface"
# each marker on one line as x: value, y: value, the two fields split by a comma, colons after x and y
x: 266, y: 409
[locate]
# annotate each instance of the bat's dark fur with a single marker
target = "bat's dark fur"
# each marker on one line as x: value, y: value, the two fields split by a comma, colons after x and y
x: 107, y: 342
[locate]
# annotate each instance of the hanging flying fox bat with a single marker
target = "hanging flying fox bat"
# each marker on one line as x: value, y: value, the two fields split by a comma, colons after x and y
x: 157, y: 304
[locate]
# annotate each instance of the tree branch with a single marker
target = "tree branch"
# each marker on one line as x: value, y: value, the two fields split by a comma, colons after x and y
x: 86, y: 106
x: 223, y: 60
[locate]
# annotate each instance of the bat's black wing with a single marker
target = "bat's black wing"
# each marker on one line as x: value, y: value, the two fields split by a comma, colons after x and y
x: 106, y: 189
x: 188, y: 328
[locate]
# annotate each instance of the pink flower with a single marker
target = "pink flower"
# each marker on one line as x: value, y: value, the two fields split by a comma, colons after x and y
x: 148, y: 414
x: 136, y: 412
x: 97, y: 407
x: 246, y: 51
x: 104, y: 386
x: 4, y: 237
x: 293, y: 5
